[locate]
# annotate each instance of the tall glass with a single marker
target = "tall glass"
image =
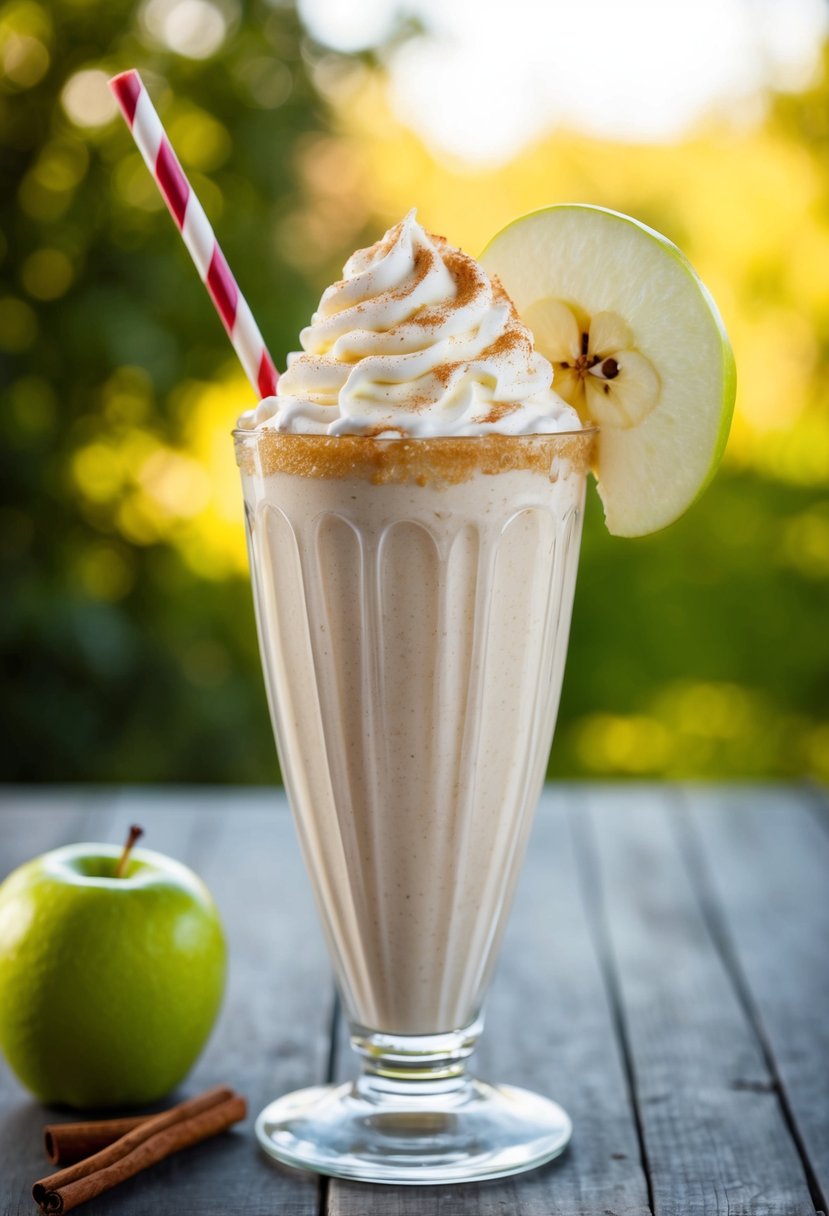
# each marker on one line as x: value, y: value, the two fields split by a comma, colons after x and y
x: 413, y: 602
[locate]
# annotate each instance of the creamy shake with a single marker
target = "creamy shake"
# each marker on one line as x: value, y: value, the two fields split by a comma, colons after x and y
x: 413, y: 600
x: 413, y: 636
x: 413, y: 497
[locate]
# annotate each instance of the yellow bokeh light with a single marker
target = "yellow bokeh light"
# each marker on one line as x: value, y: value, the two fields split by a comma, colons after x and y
x: 817, y: 752
x: 24, y: 60
x: 105, y: 468
x: 87, y: 99
x: 177, y: 484
x: 47, y: 274
x: 97, y: 472
x: 692, y: 727
x: 137, y: 521
x: 40, y: 203
x: 61, y: 165
x: 127, y: 396
x: 187, y: 496
x: 216, y: 542
x: 134, y: 184
x: 720, y: 711
x: 25, y: 17
x: 104, y: 572
x: 200, y: 141
x: 195, y: 28
x: 46, y: 190
x: 632, y: 744
x: 799, y: 455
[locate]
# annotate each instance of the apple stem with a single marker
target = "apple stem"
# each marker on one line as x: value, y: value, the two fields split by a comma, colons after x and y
x: 135, y: 833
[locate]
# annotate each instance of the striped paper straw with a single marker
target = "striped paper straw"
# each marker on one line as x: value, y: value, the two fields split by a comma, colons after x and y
x: 194, y: 226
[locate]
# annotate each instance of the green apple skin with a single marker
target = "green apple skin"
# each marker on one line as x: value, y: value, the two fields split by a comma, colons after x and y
x: 109, y: 987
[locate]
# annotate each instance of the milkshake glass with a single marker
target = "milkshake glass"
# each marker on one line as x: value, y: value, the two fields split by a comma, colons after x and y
x: 413, y: 602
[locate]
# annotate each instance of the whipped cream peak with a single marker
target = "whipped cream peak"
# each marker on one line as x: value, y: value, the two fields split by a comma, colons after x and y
x: 414, y: 340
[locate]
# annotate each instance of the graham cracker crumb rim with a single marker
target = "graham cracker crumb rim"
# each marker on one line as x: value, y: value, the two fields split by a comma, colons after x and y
x: 437, y: 460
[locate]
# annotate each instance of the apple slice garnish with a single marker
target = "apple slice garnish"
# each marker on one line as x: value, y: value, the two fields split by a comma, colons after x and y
x: 638, y: 348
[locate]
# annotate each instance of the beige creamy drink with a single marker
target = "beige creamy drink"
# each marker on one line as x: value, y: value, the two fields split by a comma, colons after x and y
x: 413, y: 639
x: 413, y: 499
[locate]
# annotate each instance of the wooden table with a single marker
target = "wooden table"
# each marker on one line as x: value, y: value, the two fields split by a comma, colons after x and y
x: 665, y: 977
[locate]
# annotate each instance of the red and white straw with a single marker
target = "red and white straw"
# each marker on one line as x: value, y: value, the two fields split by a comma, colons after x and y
x: 185, y: 208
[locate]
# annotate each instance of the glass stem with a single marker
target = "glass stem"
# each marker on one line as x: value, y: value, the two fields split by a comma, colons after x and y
x: 413, y: 1066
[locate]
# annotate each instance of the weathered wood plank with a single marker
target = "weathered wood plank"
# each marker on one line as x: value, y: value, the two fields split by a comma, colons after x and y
x: 714, y: 1133
x: 272, y: 1034
x: 549, y: 1027
x: 31, y: 822
x: 765, y: 880
x: 681, y: 924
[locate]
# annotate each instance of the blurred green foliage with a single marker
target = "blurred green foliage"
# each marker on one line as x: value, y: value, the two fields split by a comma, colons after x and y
x: 127, y: 635
x: 119, y: 662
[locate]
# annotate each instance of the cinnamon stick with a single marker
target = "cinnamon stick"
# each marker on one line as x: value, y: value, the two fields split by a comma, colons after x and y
x: 66, y: 1143
x: 151, y: 1141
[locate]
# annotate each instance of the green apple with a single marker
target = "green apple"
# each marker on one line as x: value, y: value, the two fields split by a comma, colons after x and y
x: 637, y: 347
x: 111, y: 976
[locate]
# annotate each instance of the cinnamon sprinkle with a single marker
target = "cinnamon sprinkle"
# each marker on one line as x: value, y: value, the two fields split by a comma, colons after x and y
x: 497, y: 411
x: 501, y: 294
x: 424, y: 261
x: 387, y: 242
x: 469, y: 279
x: 511, y: 339
x: 444, y: 371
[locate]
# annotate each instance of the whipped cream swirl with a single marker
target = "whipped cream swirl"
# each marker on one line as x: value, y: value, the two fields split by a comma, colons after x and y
x: 415, y: 340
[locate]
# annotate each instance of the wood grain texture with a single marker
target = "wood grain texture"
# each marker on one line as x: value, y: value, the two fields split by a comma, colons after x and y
x: 681, y: 952
x: 715, y: 1136
x: 30, y: 823
x: 549, y: 1028
x: 273, y: 1031
x: 765, y: 877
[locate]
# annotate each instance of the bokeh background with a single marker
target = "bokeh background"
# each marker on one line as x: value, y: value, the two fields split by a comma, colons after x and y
x: 125, y: 614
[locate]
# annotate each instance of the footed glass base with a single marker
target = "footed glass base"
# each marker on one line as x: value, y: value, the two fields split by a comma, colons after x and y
x: 458, y: 1130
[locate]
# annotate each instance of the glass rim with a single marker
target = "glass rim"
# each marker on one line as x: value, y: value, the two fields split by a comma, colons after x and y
x: 260, y: 432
